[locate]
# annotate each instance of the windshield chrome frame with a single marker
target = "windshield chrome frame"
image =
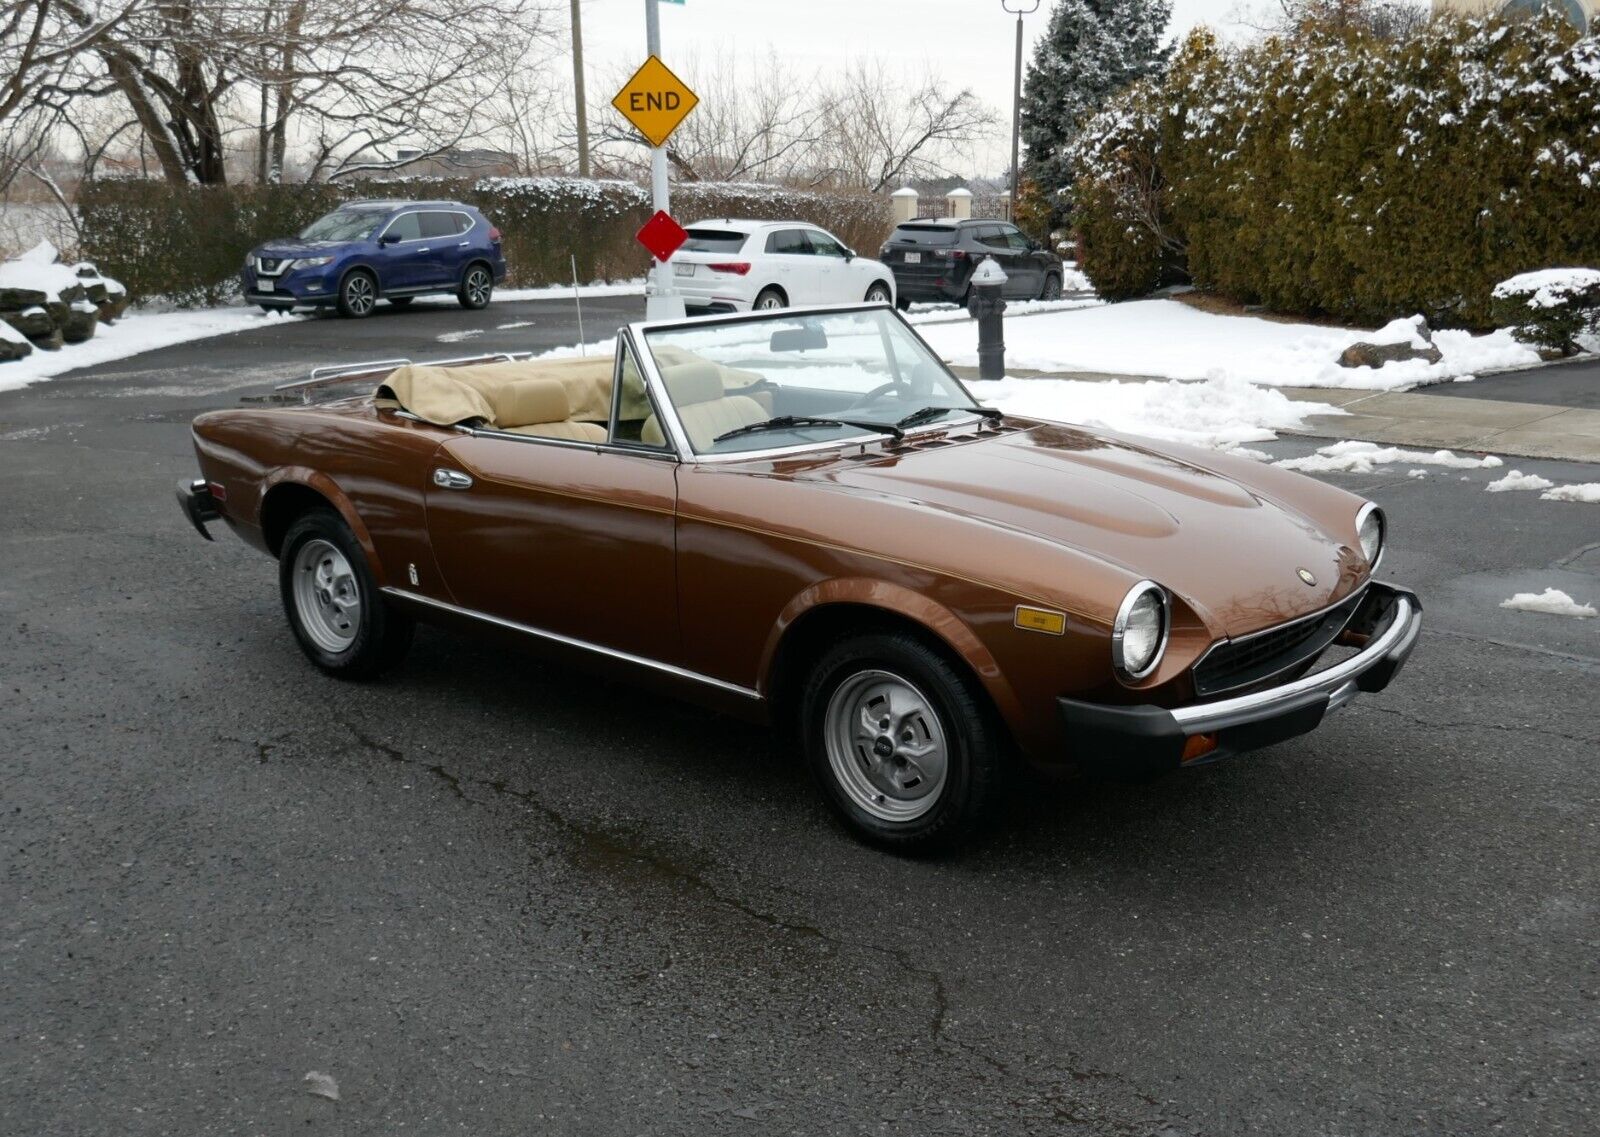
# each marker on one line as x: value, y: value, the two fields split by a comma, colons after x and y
x: 668, y: 410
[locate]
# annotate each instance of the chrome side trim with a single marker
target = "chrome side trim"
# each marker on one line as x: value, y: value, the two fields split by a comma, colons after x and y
x: 1337, y: 682
x: 585, y: 645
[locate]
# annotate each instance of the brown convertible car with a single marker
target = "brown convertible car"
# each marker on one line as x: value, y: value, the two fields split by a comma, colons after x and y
x: 802, y: 517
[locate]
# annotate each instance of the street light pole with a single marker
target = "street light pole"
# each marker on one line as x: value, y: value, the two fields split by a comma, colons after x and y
x: 1020, y: 8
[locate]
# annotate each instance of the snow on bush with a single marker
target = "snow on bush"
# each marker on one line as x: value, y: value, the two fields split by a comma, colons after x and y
x: 1552, y: 601
x: 1517, y: 480
x: 1364, y: 457
x: 1553, y: 308
x: 1588, y: 491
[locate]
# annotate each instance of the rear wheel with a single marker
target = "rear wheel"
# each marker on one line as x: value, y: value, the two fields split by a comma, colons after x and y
x: 903, y: 744
x: 1051, y: 289
x: 332, y: 600
x: 878, y: 293
x: 477, y: 288
x: 770, y: 299
x: 358, y: 294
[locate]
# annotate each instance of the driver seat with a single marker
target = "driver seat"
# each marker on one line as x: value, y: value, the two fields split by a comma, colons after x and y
x: 704, y: 407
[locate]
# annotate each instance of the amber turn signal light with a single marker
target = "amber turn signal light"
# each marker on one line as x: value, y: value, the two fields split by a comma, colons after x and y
x: 1198, y: 746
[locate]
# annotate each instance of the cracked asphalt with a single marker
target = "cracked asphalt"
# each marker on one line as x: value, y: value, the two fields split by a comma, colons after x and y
x: 488, y: 896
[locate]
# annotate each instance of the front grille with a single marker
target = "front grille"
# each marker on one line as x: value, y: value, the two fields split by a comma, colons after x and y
x: 1256, y: 658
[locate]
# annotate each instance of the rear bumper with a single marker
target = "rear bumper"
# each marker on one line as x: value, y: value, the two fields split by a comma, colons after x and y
x: 198, y: 505
x: 1138, y: 741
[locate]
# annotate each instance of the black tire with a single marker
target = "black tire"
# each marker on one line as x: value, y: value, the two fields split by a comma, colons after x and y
x: 975, y: 743
x: 477, y: 287
x: 379, y: 635
x: 879, y: 293
x: 902, y: 303
x: 401, y: 301
x: 1051, y: 288
x: 770, y: 298
x: 358, y: 294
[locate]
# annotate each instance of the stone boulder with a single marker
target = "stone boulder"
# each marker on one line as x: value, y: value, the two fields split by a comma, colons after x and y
x: 1397, y: 342
x: 81, y: 321
x: 34, y: 321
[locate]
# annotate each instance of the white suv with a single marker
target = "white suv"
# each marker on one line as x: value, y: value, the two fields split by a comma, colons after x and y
x: 737, y: 266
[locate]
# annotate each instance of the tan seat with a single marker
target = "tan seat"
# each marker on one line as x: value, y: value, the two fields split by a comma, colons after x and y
x: 704, y: 408
x: 540, y: 408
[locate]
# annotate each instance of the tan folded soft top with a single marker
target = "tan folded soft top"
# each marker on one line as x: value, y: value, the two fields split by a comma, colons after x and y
x: 486, y: 392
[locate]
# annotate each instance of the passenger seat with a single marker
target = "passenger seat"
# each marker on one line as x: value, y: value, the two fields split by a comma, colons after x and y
x: 704, y: 408
x: 539, y: 408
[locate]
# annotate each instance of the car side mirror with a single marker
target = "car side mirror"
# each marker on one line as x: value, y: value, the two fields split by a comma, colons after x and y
x: 850, y: 255
x: 388, y: 239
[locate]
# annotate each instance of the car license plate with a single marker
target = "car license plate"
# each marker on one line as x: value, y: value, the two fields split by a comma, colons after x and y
x: 263, y: 284
x: 913, y: 258
x: 683, y: 270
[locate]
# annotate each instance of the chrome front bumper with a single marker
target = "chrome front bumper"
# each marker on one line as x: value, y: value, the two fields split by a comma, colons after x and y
x: 1123, y: 741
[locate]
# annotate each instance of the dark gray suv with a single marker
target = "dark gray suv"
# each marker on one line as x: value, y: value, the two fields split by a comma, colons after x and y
x: 933, y: 259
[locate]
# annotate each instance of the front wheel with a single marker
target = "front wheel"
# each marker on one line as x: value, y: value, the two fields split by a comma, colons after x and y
x: 358, y: 295
x: 903, y: 744
x: 332, y: 600
x: 477, y: 288
x: 878, y: 293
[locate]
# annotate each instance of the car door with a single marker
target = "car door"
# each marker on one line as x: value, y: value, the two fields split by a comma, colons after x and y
x: 836, y: 281
x: 567, y: 539
x: 445, y: 246
x: 992, y: 241
x: 397, y: 262
x: 1026, y: 259
x: 792, y: 265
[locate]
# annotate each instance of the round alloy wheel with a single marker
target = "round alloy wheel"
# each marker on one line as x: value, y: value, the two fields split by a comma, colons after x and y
x: 326, y: 596
x: 768, y: 301
x: 359, y: 294
x: 878, y: 294
x: 477, y: 287
x: 886, y: 745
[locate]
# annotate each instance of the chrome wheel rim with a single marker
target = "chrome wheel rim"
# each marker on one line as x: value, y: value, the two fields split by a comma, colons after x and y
x: 877, y: 294
x: 478, y: 286
x: 886, y: 746
x: 326, y: 596
x: 768, y: 303
x: 358, y: 295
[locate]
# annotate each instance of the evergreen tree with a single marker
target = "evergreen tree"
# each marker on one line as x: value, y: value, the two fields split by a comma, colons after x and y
x: 1091, y: 50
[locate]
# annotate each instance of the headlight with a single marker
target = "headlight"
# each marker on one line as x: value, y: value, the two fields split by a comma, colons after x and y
x: 1372, y: 528
x: 311, y: 262
x: 1139, y: 635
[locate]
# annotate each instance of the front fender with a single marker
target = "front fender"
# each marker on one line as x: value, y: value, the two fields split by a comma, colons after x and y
x: 324, y: 486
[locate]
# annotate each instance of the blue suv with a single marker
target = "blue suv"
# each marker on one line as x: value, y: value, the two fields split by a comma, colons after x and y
x: 368, y: 251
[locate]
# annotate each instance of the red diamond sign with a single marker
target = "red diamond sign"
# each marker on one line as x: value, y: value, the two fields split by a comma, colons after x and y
x: 662, y: 235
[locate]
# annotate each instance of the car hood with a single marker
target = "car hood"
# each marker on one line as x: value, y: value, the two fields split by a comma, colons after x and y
x: 296, y: 248
x: 1231, y: 549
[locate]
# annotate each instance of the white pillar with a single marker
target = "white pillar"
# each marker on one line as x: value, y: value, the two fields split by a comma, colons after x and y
x: 960, y: 200
x: 905, y: 204
x: 663, y: 303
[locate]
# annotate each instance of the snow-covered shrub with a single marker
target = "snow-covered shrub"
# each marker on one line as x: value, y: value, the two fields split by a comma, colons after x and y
x: 188, y: 243
x: 1338, y: 173
x: 1550, y: 308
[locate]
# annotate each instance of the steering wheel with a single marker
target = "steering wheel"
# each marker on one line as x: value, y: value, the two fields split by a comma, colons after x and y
x: 875, y: 394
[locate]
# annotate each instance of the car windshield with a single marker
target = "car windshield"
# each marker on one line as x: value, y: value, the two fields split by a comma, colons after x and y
x: 802, y: 377
x: 344, y: 225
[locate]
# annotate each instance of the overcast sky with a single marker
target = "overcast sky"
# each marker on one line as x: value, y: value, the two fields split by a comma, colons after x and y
x: 970, y: 41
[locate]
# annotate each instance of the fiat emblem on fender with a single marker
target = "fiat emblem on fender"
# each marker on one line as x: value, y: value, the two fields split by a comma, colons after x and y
x: 1306, y: 575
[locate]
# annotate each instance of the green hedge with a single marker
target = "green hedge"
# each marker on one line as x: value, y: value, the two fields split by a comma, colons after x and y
x: 187, y: 243
x: 1338, y: 174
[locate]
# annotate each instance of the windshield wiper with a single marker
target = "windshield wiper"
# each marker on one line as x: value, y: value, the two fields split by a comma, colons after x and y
x: 783, y: 422
x: 928, y: 414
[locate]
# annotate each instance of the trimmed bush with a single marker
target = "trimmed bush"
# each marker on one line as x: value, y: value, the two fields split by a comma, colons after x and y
x: 1342, y: 175
x: 1551, y: 308
x: 188, y: 243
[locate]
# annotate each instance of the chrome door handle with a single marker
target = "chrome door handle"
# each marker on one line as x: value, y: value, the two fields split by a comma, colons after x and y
x: 424, y: 249
x: 451, y: 479
x: 462, y: 244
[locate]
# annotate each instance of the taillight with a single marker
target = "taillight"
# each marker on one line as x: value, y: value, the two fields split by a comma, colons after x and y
x: 955, y: 254
x: 738, y: 268
x: 218, y: 491
x: 494, y: 234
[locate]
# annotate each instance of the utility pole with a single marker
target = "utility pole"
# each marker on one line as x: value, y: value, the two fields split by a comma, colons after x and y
x: 1021, y: 8
x: 577, y: 86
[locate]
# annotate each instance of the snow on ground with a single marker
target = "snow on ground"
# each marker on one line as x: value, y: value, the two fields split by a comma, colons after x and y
x: 1517, y: 480
x: 1588, y: 491
x: 954, y: 314
x: 134, y: 333
x: 1219, y: 413
x: 1166, y: 339
x: 1551, y: 601
x: 1363, y: 457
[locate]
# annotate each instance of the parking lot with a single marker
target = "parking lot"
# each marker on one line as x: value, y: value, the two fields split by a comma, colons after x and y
x: 492, y: 897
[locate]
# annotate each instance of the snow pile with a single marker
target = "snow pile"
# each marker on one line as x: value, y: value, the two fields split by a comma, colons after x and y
x: 33, y: 276
x: 1168, y: 340
x: 1517, y: 480
x: 1588, y: 491
x: 1364, y: 457
x: 1407, y: 331
x: 1219, y: 413
x: 1549, y: 287
x: 1551, y: 601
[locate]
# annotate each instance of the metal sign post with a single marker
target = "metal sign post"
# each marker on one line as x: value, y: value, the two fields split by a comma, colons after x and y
x: 662, y: 302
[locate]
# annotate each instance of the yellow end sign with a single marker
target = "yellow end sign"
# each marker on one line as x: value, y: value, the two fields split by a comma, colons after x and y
x: 655, y: 101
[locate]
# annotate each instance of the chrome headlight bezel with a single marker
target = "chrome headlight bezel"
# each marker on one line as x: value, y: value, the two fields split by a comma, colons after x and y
x: 1119, y: 630
x: 1371, y: 512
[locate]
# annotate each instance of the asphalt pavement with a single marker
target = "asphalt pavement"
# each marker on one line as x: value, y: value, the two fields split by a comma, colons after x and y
x: 487, y: 896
